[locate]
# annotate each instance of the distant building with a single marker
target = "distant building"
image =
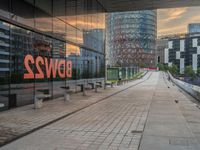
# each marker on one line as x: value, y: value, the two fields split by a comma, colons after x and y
x: 161, y: 44
x: 194, y: 28
x: 184, y: 51
x: 131, y: 38
x: 5, y: 50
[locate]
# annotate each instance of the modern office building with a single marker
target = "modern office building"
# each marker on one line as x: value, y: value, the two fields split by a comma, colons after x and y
x: 131, y: 38
x: 184, y: 51
x: 194, y: 28
x: 49, y: 44
x: 161, y: 44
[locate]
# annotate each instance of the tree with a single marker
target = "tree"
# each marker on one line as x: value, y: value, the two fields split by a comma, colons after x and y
x: 142, y: 65
x: 166, y: 67
x: 198, y: 71
x: 189, y: 72
x: 173, y: 69
x: 161, y: 67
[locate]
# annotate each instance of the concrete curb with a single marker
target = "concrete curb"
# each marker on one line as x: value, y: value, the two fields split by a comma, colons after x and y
x: 189, y: 88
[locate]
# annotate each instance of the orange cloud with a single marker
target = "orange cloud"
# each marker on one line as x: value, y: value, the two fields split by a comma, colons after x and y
x: 171, y: 30
x: 72, y: 49
x: 173, y: 13
x: 92, y: 21
x: 194, y: 19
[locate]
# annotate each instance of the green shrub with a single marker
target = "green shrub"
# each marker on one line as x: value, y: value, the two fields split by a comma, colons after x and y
x: 189, y: 72
x: 173, y: 69
x: 198, y: 71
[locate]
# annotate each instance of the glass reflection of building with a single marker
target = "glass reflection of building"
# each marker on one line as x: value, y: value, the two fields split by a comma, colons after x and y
x: 131, y: 38
x: 59, y: 29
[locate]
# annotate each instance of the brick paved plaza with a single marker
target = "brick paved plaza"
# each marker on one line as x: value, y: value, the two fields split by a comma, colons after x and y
x: 140, y: 115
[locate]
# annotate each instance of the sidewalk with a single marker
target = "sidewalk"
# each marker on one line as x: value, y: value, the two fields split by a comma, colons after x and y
x: 152, y: 115
x: 18, y: 122
x: 173, y: 122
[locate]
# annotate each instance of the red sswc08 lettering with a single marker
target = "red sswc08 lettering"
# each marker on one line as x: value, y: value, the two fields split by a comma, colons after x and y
x: 52, y: 67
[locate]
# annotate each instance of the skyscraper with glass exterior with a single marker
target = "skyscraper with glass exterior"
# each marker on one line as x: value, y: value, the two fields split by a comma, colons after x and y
x: 131, y: 38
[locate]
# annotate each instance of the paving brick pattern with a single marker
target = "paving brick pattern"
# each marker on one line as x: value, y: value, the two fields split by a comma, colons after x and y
x: 153, y: 115
x: 116, y: 123
x: 16, y: 122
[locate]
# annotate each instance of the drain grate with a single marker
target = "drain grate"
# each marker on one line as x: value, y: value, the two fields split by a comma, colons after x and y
x: 136, y: 131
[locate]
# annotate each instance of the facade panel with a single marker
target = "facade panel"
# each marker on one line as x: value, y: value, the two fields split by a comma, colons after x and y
x: 166, y: 56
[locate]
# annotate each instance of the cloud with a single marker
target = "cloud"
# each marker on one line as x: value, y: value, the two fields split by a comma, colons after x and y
x: 171, y: 30
x: 172, y: 14
x: 176, y: 20
x: 194, y: 19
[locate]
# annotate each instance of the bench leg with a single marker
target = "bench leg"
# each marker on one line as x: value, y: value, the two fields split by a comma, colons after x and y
x: 84, y: 94
x: 81, y: 88
x: 95, y: 88
x: 104, y: 86
x: 67, y: 97
x: 38, y: 103
x: 101, y: 85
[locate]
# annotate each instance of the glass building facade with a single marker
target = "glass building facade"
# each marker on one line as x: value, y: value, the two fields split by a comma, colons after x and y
x: 47, y: 44
x: 131, y: 38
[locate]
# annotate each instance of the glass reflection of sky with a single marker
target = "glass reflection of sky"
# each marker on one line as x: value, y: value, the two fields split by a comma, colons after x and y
x: 72, y: 50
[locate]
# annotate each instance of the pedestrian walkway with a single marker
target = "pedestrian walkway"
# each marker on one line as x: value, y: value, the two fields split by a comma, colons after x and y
x: 173, y: 122
x: 148, y: 114
x: 20, y: 121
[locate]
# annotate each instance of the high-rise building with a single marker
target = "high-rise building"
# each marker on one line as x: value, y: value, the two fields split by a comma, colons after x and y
x: 131, y: 38
x: 161, y: 44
